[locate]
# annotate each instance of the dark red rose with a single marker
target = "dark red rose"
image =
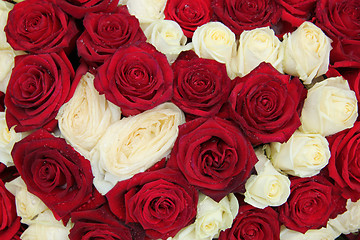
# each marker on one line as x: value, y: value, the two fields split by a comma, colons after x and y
x: 161, y: 201
x: 53, y: 171
x: 343, y: 165
x: 201, y: 86
x: 9, y: 221
x: 340, y: 20
x: 102, y: 224
x: 213, y: 155
x: 189, y: 14
x: 38, y: 86
x: 136, y: 78
x: 39, y: 26
x: 253, y: 223
x: 2, y: 104
x: 7, y: 174
x: 240, y: 15
x: 106, y: 32
x: 294, y: 13
x: 310, y: 204
x: 78, y: 8
x: 267, y: 104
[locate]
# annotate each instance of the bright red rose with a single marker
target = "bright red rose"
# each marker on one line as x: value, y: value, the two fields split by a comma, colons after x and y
x: 311, y: 203
x: 38, y: 86
x: 189, y: 14
x: 78, y: 8
x: 201, y: 86
x: 9, y: 221
x: 136, y: 78
x: 106, y: 32
x: 102, y: 224
x: 340, y: 20
x: 343, y: 165
x: 53, y: 171
x: 161, y: 201
x: 253, y: 223
x: 267, y: 104
x: 240, y: 15
x: 213, y: 155
x: 39, y: 26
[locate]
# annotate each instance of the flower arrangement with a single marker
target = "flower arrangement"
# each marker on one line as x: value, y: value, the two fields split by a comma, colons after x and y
x: 178, y: 119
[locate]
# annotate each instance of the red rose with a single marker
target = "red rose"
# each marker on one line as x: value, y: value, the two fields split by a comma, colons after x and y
x: 253, y: 223
x: 38, y: 86
x: 294, y: 13
x: 39, y: 27
x: 213, y: 155
x: 189, y: 14
x: 102, y: 224
x: 106, y: 32
x: 53, y: 171
x: 240, y: 15
x: 9, y: 221
x: 201, y: 86
x: 161, y: 201
x: 343, y: 165
x: 310, y: 204
x: 136, y: 78
x: 266, y: 104
x: 78, y: 8
x: 340, y: 20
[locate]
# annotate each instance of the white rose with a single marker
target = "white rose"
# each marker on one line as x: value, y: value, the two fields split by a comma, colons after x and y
x: 47, y: 227
x: 5, y: 8
x: 147, y: 11
x: 256, y: 46
x: 349, y: 221
x: 7, y: 140
x: 268, y: 187
x: 214, y: 40
x: 330, y: 107
x: 319, y: 234
x: 134, y: 144
x: 211, y: 218
x: 303, y: 155
x: 84, y: 119
x: 168, y: 38
x: 306, y: 52
x: 28, y: 206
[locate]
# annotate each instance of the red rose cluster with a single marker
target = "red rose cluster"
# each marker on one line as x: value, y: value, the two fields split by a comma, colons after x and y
x: 226, y: 118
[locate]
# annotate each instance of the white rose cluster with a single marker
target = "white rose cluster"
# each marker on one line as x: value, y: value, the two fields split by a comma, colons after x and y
x: 211, y: 218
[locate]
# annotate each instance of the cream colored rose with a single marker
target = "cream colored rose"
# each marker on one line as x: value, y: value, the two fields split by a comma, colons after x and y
x: 303, y: 155
x: 84, y: 119
x: 47, y: 227
x: 349, y: 221
x: 330, y: 107
x: 134, y: 144
x: 306, y: 52
x: 319, y: 234
x: 5, y: 8
x: 7, y: 140
x: 168, y: 38
x: 216, y: 41
x: 28, y: 206
x: 268, y: 187
x: 147, y: 11
x: 211, y: 218
x: 256, y: 46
